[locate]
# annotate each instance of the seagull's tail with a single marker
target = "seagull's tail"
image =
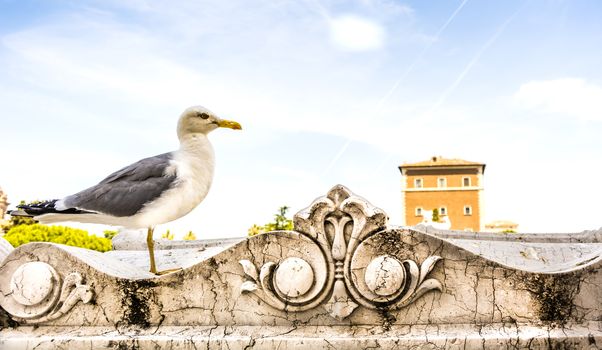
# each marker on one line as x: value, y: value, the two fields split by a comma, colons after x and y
x: 53, y: 211
x: 35, y: 210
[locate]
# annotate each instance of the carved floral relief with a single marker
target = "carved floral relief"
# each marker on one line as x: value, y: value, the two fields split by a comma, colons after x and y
x: 344, y: 276
x: 38, y: 294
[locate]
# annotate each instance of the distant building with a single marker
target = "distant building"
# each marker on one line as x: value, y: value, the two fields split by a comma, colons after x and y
x: 453, y: 186
x: 501, y: 226
x: 3, y: 207
x: 3, y: 203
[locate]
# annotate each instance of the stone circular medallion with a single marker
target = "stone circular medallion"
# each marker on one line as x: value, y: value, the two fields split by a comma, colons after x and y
x: 294, y: 277
x: 385, y: 275
x: 32, y: 283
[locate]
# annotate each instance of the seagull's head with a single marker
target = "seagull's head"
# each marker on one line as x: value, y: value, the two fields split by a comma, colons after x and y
x: 200, y: 120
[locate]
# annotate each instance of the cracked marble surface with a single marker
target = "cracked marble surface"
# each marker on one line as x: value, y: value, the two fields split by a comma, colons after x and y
x: 165, y: 259
x: 490, y: 336
x: 549, y: 253
x: 135, y: 240
x: 344, y: 278
x: 5, y: 249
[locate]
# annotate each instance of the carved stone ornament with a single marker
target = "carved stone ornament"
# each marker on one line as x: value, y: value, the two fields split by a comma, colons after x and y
x: 37, y: 294
x: 345, y: 275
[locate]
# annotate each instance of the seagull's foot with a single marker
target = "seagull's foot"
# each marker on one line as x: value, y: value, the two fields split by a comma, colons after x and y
x: 151, y: 254
x: 165, y: 272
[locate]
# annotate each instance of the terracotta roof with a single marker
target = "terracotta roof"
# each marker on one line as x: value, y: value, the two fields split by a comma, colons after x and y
x: 439, y: 161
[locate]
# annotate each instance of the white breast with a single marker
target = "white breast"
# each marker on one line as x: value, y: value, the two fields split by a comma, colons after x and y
x: 193, y: 166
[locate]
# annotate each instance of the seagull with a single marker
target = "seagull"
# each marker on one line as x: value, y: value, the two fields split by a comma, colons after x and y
x: 152, y: 191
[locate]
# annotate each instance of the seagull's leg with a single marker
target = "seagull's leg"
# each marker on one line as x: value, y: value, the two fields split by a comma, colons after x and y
x: 151, y: 254
x: 151, y: 250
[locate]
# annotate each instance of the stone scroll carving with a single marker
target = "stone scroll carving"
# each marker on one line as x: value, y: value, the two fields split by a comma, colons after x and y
x: 345, y: 275
x: 38, y: 295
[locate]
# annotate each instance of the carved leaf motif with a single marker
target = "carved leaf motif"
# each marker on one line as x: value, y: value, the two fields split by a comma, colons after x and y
x: 427, y: 266
x: 248, y: 286
x: 85, y: 293
x: 71, y: 280
x: 417, y: 285
x: 81, y: 292
x: 412, y: 279
x: 265, y: 272
x: 426, y: 286
x: 249, y: 269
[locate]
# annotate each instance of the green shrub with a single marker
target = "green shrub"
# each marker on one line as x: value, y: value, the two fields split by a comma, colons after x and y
x: 281, y: 222
x: 189, y: 236
x: 168, y: 235
x: 21, y: 234
x: 110, y: 233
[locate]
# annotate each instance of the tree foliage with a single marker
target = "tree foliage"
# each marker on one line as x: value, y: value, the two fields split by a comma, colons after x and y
x: 255, y: 230
x: 280, y: 223
x: 435, y: 215
x: 21, y: 234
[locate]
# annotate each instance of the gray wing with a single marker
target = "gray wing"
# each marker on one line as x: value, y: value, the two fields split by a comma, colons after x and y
x: 127, y: 190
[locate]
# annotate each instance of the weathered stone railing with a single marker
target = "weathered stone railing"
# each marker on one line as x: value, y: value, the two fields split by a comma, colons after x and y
x: 343, y: 279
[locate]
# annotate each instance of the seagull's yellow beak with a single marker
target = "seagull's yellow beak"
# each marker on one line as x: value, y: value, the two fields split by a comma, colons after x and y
x: 229, y: 124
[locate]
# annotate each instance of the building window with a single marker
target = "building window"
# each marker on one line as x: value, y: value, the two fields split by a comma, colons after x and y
x: 443, y: 211
x: 418, y: 211
x: 418, y: 183
x: 466, y: 181
x: 441, y: 182
x: 467, y: 210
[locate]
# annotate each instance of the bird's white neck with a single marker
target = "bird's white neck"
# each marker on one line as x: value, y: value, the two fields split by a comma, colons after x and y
x: 196, y: 155
x: 196, y: 144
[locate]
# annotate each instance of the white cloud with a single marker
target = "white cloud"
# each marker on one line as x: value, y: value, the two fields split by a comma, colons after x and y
x: 356, y: 33
x: 570, y: 96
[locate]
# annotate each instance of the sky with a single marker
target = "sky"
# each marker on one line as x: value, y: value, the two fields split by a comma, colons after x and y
x: 327, y: 92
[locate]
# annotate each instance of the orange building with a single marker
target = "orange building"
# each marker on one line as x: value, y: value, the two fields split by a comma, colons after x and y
x: 453, y: 186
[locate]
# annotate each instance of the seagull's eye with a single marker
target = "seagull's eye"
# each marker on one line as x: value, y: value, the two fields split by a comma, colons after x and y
x: 204, y: 115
